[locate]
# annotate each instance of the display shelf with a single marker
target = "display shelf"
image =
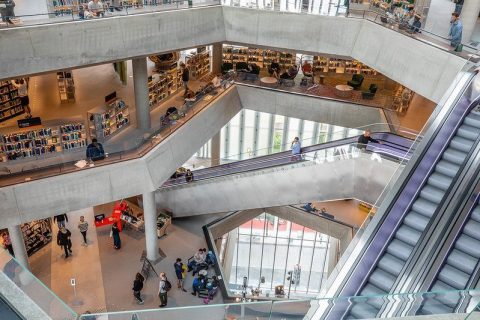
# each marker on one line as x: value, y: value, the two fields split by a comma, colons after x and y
x: 335, y: 65
x: 262, y: 58
x: 26, y: 143
x: 36, y: 234
x: 107, y: 120
x: 10, y: 103
x: 198, y: 64
x: 66, y: 86
x: 164, y: 84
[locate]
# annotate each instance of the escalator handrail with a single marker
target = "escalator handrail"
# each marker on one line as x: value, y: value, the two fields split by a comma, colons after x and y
x: 217, y: 171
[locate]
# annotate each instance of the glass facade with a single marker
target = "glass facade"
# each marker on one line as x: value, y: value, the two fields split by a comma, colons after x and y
x: 267, y: 248
x: 252, y: 134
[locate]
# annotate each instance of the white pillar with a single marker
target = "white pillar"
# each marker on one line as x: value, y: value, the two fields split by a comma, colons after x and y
x: 229, y: 255
x: 217, y: 56
x: 18, y: 245
x: 469, y: 17
x: 332, y: 255
x: 215, y: 160
x: 140, y: 85
x: 150, y: 216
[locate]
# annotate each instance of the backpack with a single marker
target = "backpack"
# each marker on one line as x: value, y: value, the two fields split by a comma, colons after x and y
x: 167, y: 286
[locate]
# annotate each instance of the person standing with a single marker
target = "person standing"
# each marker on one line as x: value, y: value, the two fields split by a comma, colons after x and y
x: 364, y: 139
x: 185, y: 78
x: 163, y: 289
x: 458, y: 6
x: 63, y: 240
x: 296, y: 149
x: 180, y: 269
x: 6, y: 10
x: 22, y: 89
x: 189, y: 176
x: 115, y: 233
x: 7, y: 243
x: 455, y: 34
x: 137, y: 287
x: 83, y: 227
x: 61, y: 218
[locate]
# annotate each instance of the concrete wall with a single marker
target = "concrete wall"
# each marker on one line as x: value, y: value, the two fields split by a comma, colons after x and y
x: 43, y: 48
x: 85, y: 188
x: 343, y: 114
x: 35, y: 49
x: 297, y: 183
x: 423, y: 68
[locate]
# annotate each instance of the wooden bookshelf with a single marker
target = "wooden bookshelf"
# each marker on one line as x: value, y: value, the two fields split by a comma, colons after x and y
x: 10, y: 103
x: 107, y: 120
x: 66, y: 86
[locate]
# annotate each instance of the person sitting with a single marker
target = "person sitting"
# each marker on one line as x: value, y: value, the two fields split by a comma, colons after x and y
x: 189, y: 176
x: 95, y: 151
x: 198, y: 259
x: 210, y: 258
x: 309, y: 207
x: 95, y: 8
x: 416, y: 25
x: 307, y: 69
x: 274, y: 69
x: 81, y: 12
x: 199, y: 283
x: 217, y: 81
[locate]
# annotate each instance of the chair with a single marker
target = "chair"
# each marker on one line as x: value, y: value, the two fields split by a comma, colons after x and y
x: 356, y: 81
x: 241, y: 66
x: 370, y: 93
x: 226, y: 66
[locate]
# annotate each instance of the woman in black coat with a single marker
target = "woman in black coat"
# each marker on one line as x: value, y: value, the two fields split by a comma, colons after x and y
x: 63, y: 240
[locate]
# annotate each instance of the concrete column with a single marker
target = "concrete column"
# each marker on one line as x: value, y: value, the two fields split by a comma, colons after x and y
x: 332, y: 255
x: 469, y: 17
x: 150, y: 217
x: 18, y: 245
x: 229, y: 255
x: 140, y: 85
x: 215, y: 160
x: 216, y: 58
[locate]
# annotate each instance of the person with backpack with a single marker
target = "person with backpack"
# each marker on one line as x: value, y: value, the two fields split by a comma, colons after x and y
x: 137, y: 287
x: 163, y: 288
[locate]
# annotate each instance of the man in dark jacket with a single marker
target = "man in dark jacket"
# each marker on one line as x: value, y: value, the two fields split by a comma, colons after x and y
x: 60, y: 219
x: 185, y: 78
x: 364, y: 139
x: 95, y: 151
x: 63, y: 240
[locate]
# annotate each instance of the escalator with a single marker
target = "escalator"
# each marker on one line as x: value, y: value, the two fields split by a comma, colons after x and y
x: 421, y: 214
x: 412, y: 212
x: 7, y: 311
x: 392, y: 147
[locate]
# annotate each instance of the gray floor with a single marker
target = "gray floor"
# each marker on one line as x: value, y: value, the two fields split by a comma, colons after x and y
x: 118, y: 267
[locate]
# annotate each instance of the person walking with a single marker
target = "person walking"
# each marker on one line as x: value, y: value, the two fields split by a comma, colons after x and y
x: 163, y: 288
x: 455, y: 34
x: 185, y: 78
x: 61, y: 218
x: 7, y: 243
x: 63, y: 240
x: 22, y: 90
x: 137, y: 287
x: 115, y: 233
x: 83, y: 227
x: 296, y: 149
x: 180, y: 272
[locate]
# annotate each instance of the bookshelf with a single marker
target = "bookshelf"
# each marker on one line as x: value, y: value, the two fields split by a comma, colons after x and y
x: 262, y: 58
x: 163, y: 84
x: 26, y: 143
x: 335, y: 65
x: 36, y: 234
x: 66, y: 86
x: 107, y: 120
x: 10, y: 103
x: 198, y: 64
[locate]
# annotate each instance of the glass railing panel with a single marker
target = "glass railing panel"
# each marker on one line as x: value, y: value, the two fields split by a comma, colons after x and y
x: 34, y: 289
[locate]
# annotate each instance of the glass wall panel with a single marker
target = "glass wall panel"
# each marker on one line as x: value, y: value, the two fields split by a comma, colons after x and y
x: 308, y: 137
x: 234, y: 138
x: 293, y: 129
x: 263, y: 134
x: 278, y: 133
x: 248, y: 134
